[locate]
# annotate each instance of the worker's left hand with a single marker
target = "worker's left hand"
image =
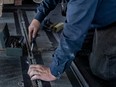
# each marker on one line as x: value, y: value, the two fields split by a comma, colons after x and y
x: 40, y: 72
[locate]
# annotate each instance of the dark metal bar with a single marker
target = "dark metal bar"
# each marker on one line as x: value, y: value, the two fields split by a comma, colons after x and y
x: 25, y: 19
x: 9, y: 8
x: 16, y: 19
x: 22, y: 23
x: 30, y: 54
x: 78, y: 75
x: 36, y: 53
x: 39, y: 60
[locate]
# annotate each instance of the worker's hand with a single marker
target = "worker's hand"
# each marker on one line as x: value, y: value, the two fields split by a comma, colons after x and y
x: 40, y: 72
x: 33, y: 29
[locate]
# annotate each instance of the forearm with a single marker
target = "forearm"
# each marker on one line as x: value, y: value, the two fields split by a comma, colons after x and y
x: 79, y: 17
x: 44, y: 8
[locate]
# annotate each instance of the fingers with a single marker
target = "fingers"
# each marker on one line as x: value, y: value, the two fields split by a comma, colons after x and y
x: 40, y: 72
x: 35, y: 77
x: 33, y: 29
x: 36, y: 68
x: 34, y: 33
x: 34, y: 72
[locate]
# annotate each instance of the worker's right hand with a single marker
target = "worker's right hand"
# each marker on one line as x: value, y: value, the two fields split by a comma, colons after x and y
x: 33, y: 29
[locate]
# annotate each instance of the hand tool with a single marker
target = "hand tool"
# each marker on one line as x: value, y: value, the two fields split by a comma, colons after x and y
x: 32, y: 44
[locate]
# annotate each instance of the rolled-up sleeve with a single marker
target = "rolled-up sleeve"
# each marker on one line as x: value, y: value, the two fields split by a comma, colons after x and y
x: 44, y: 8
x: 80, y: 14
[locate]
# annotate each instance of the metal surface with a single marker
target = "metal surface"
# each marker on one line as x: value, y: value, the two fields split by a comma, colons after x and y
x: 9, y: 19
x: 31, y: 60
x: 78, y: 75
x: 45, y: 45
x: 10, y: 71
x: 10, y: 67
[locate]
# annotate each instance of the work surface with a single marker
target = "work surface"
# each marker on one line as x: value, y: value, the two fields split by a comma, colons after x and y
x: 10, y: 72
x: 11, y: 68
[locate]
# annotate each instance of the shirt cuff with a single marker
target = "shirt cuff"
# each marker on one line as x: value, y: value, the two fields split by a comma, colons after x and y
x: 62, y: 59
x: 55, y: 68
x: 59, y: 64
x: 39, y: 16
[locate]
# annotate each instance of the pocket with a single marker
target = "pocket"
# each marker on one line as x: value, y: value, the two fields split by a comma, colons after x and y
x: 112, y: 66
x: 99, y: 66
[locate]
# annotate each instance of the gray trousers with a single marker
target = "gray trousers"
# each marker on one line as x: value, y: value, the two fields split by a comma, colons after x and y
x: 103, y: 56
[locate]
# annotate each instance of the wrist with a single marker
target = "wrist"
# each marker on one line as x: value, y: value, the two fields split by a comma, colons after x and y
x: 35, y: 22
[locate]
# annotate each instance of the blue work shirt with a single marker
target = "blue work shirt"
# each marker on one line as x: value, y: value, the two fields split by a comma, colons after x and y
x: 80, y: 15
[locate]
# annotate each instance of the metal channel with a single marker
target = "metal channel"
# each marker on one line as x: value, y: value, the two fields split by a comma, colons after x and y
x: 78, y: 75
x: 31, y: 60
x: 37, y: 52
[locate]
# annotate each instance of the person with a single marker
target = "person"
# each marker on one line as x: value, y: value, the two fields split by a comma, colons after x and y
x: 80, y: 15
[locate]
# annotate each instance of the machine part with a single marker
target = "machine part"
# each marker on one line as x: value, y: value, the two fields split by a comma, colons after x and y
x: 13, y: 47
x: 47, y: 24
x: 55, y: 27
x: 79, y: 76
x: 21, y: 40
x: 32, y: 44
x: 24, y: 31
x: 4, y: 34
x: 58, y: 27
x: 10, y: 43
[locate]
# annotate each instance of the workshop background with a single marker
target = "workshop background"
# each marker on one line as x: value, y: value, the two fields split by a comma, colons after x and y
x: 16, y: 55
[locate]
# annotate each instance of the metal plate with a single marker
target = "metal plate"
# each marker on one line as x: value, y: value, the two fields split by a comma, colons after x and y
x: 9, y: 19
x: 10, y: 72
